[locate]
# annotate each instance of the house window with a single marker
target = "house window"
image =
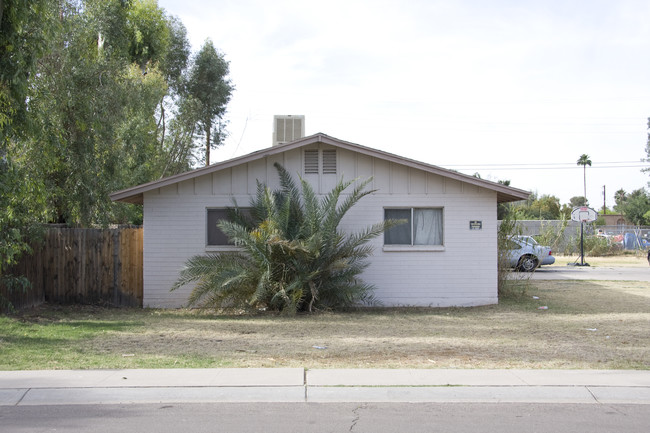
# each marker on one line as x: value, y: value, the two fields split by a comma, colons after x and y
x: 317, y: 161
x: 215, y: 237
x: 424, y: 226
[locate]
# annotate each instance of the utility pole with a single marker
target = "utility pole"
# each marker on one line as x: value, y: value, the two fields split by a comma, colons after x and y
x: 604, y: 201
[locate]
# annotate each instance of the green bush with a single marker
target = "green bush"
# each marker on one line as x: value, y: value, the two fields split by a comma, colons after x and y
x: 595, y: 246
x: 552, y: 235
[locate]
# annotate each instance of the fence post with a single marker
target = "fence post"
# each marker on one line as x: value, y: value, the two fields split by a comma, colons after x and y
x: 116, y: 267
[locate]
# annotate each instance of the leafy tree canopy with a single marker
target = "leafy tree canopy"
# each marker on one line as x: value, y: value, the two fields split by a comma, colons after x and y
x: 209, y: 86
x: 93, y: 98
x: 578, y: 201
x: 545, y: 207
x: 24, y: 30
x: 635, y: 207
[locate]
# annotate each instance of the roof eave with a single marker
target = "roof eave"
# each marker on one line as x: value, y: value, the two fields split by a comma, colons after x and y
x: 126, y: 197
x: 135, y: 194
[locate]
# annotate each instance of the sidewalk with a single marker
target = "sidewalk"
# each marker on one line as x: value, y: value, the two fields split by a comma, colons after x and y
x: 78, y: 387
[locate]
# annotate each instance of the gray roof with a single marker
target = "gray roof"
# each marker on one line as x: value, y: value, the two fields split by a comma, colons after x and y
x: 504, y: 193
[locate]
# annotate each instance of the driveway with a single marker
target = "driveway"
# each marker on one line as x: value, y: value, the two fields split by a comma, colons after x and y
x: 606, y: 273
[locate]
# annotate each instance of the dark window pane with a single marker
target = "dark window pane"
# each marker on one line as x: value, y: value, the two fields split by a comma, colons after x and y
x: 215, y: 235
x: 401, y: 234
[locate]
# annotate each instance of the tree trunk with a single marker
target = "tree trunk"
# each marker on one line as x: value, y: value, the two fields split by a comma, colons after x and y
x: 584, y: 179
x: 207, y: 146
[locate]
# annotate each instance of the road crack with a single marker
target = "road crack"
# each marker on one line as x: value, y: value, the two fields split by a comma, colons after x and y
x: 357, y: 416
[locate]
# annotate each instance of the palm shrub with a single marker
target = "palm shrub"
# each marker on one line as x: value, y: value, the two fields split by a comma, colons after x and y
x: 293, y: 256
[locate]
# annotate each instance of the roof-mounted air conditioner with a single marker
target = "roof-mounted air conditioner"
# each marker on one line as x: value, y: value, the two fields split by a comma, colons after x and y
x: 288, y: 128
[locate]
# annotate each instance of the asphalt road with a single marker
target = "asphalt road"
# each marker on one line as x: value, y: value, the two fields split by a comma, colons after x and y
x: 330, y: 417
x: 557, y: 272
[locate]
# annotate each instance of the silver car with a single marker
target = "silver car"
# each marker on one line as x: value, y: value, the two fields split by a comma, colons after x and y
x: 525, y: 254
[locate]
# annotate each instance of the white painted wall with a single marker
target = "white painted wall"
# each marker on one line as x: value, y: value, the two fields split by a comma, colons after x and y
x: 463, y: 274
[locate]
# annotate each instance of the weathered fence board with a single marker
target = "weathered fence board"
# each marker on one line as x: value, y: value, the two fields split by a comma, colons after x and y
x: 87, y: 266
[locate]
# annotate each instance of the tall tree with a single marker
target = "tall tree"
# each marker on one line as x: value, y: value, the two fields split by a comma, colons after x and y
x: 636, y: 206
x: 82, y: 98
x: 82, y: 85
x: 577, y: 201
x: 503, y: 209
x: 209, y: 84
x: 98, y: 101
x: 93, y: 98
x: 175, y: 61
x: 544, y: 207
x: 148, y: 32
x: 619, y: 199
x: 24, y: 30
x: 584, y: 161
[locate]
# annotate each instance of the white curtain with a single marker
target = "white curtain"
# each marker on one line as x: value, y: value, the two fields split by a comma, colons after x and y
x: 427, y: 226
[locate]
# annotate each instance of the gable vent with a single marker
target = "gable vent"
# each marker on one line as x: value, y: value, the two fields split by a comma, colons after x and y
x: 288, y: 128
x: 311, y: 161
x: 329, y: 161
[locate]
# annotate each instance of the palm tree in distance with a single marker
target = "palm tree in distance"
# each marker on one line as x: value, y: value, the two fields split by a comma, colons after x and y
x: 584, y: 161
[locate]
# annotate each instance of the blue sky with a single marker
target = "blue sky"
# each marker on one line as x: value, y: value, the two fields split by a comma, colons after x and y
x: 509, y: 89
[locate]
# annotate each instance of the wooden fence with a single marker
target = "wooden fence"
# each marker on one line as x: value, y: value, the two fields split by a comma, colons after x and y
x: 83, y: 266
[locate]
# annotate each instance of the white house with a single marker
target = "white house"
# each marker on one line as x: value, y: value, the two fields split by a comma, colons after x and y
x: 447, y: 256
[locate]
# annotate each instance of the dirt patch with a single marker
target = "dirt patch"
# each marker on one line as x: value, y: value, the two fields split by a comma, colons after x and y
x: 586, y: 325
x: 632, y: 259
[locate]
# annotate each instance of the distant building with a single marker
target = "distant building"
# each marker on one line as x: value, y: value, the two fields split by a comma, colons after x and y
x: 614, y: 219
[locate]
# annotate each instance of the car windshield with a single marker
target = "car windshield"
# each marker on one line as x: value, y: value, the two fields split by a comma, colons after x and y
x: 528, y: 240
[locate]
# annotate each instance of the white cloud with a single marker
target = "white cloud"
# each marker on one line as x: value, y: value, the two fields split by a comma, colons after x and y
x: 447, y: 82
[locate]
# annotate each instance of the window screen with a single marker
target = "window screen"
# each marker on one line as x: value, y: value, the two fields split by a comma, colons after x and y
x: 214, y: 234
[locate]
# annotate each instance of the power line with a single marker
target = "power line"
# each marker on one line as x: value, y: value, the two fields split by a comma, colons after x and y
x: 573, y: 164
x: 512, y: 167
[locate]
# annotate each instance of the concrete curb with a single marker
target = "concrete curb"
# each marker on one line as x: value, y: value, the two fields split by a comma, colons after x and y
x: 442, y: 377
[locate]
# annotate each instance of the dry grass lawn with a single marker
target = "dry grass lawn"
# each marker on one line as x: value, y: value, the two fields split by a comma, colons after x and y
x: 628, y: 259
x: 587, y: 325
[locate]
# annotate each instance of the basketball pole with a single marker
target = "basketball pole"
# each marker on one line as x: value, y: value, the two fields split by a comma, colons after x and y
x: 582, y: 243
x: 582, y: 214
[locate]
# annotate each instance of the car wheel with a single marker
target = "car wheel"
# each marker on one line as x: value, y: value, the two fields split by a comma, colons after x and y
x: 528, y: 263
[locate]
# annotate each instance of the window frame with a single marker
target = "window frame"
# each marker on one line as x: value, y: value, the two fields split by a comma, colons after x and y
x: 412, y: 246
x: 218, y: 247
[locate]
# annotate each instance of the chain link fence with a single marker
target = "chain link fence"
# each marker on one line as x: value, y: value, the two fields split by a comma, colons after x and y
x: 564, y: 236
